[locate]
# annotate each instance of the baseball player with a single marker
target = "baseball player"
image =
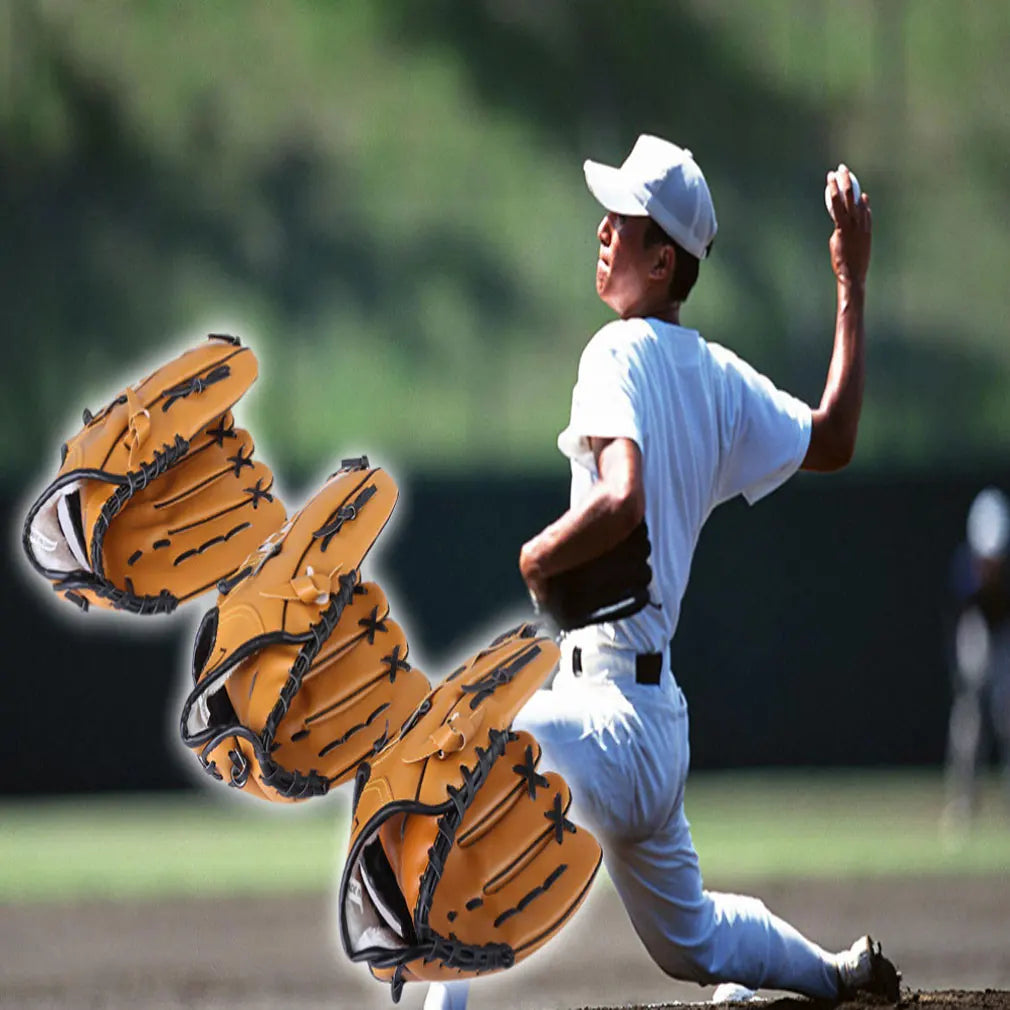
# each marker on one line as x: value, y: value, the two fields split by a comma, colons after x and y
x: 664, y: 427
x: 980, y: 654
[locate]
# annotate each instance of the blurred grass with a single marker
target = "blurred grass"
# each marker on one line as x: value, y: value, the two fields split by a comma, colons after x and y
x: 181, y: 845
x: 386, y: 202
x: 840, y: 824
x: 746, y: 826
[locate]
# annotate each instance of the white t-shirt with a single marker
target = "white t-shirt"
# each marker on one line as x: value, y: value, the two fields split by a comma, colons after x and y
x: 709, y: 427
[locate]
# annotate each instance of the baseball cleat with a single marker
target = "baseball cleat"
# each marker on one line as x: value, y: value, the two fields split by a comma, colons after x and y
x: 863, y: 968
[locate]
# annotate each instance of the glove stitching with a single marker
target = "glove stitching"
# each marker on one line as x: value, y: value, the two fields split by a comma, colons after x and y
x: 502, y: 674
x: 197, y: 384
x: 222, y: 539
x: 556, y: 815
x: 530, y: 896
x: 219, y: 432
x: 394, y: 663
x: 288, y: 782
x: 257, y: 492
x: 347, y: 512
x: 354, y: 729
x: 240, y: 461
x: 528, y: 771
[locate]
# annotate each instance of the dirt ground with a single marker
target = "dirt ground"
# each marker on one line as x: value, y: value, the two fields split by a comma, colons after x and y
x: 950, y: 938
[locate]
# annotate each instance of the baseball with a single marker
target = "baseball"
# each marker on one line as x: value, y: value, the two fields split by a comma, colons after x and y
x: 855, y: 192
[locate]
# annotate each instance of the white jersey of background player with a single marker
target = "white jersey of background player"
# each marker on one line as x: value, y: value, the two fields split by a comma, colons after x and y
x: 665, y: 426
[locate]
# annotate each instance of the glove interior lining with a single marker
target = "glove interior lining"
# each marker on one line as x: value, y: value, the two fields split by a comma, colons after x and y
x: 57, y: 531
x: 376, y: 911
x: 384, y: 890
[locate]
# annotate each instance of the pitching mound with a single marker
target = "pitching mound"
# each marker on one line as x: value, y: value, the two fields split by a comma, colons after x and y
x: 944, y: 999
x: 947, y: 936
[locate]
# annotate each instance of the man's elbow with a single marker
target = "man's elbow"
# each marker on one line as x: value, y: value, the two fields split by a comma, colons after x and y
x: 839, y: 457
x: 832, y: 444
x: 828, y: 455
x: 629, y: 506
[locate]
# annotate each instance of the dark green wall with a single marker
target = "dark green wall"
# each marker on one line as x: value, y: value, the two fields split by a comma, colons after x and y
x: 811, y: 631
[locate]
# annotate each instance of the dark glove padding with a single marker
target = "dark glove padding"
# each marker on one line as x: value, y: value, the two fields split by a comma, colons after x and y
x: 605, y: 588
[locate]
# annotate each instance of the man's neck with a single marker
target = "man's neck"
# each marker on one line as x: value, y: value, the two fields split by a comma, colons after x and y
x: 667, y: 312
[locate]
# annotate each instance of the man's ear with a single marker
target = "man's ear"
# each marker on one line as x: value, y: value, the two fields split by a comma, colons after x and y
x: 662, y: 267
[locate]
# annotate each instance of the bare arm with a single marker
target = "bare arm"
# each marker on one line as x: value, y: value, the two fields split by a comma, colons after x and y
x: 836, y: 420
x: 607, y: 516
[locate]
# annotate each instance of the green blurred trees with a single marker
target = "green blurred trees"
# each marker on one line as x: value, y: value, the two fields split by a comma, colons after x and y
x: 386, y: 201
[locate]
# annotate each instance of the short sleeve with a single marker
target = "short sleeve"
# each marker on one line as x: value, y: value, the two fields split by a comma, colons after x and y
x: 764, y: 432
x: 605, y: 402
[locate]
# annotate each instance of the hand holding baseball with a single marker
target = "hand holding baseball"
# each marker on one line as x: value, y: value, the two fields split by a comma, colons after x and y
x: 850, y: 211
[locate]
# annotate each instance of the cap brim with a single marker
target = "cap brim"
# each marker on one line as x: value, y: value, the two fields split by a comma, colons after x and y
x: 612, y: 190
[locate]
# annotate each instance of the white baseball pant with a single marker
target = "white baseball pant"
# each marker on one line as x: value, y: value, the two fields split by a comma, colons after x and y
x: 623, y: 748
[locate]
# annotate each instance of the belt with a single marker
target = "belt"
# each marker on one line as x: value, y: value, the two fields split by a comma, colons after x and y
x: 648, y: 665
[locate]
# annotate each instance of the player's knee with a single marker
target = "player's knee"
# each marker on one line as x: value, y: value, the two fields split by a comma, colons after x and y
x: 687, y: 965
x: 705, y: 947
x: 684, y: 962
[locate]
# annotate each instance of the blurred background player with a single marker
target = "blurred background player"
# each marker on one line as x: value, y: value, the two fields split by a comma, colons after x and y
x: 979, y: 646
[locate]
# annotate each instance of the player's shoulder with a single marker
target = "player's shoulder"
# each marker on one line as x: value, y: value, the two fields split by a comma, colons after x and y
x: 617, y: 335
x: 724, y: 357
x: 729, y: 363
x: 639, y: 338
x: 614, y: 344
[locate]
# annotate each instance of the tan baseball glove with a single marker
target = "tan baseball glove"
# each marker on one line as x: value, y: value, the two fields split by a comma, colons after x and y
x: 462, y: 859
x: 157, y: 497
x: 299, y: 672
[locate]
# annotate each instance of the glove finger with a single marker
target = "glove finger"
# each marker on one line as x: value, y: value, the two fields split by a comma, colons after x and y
x: 362, y: 727
x: 181, y: 397
x: 487, y: 691
x: 331, y: 536
x: 502, y: 788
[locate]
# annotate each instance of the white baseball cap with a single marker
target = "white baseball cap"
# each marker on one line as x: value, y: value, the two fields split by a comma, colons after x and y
x: 663, y: 181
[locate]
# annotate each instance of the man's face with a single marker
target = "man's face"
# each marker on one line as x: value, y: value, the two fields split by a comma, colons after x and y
x: 623, y: 269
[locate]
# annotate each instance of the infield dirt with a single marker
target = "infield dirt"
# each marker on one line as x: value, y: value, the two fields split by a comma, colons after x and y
x: 950, y: 938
